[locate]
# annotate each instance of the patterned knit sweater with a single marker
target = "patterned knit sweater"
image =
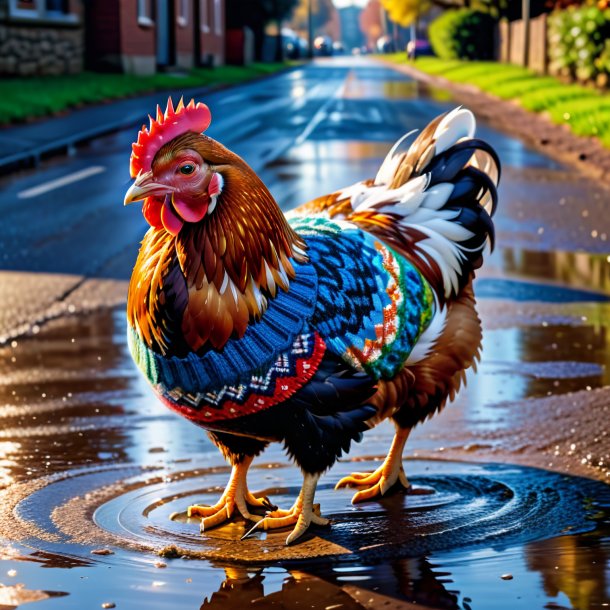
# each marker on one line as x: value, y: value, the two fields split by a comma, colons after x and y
x: 356, y: 298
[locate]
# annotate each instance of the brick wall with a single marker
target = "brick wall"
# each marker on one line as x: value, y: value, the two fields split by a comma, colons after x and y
x: 183, y: 33
x: 138, y: 45
x: 103, y: 41
x: 116, y: 39
x: 212, y: 42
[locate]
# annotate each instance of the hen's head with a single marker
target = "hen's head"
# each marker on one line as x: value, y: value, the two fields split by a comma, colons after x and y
x: 177, y: 169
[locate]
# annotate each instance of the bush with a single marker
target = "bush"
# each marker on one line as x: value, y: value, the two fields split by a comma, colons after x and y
x: 463, y: 34
x: 577, y: 39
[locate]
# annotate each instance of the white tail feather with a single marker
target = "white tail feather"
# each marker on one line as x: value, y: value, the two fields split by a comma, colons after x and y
x: 421, y: 209
x: 388, y: 167
x: 456, y: 125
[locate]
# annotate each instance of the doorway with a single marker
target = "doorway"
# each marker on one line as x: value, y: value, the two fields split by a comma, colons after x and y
x: 165, y: 33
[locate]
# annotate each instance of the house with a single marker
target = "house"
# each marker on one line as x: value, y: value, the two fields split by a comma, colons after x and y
x: 351, y: 34
x: 41, y: 37
x: 131, y: 36
x: 143, y: 36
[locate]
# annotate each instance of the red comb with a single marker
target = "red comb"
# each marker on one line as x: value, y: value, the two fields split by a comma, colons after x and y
x: 163, y: 129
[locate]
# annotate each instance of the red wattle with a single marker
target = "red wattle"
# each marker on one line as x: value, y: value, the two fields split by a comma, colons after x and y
x: 170, y: 221
x: 151, y: 208
x: 192, y: 211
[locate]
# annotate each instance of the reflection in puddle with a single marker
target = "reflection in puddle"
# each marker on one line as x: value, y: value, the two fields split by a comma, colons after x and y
x: 542, y: 360
x: 575, y: 269
x: 73, y: 404
x: 390, y: 89
x: 566, y: 572
x: 13, y: 596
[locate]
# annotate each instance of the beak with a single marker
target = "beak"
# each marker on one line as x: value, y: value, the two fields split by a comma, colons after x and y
x: 144, y: 186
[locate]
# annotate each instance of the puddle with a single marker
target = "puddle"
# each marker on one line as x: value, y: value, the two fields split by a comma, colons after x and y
x: 576, y: 275
x: 452, y: 544
x: 77, y: 411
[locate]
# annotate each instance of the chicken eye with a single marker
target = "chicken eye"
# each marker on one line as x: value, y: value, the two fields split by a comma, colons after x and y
x: 187, y: 169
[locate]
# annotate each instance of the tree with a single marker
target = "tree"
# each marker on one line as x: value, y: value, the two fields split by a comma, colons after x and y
x: 405, y: 12
x: 322, y: 12
x: 370, y: 22
x: 256, y: 14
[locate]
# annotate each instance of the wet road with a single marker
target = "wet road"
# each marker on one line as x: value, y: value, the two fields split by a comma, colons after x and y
x: 92, y: 461
x: 306, y: 132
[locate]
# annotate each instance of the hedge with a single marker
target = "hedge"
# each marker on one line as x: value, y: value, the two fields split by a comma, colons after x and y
x: 578, y: 43
x: 463, y: 34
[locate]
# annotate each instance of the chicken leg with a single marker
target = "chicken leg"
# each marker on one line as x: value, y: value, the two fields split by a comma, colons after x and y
x: 301, y: 515
x: 235, y: 496
x: 378, y: 482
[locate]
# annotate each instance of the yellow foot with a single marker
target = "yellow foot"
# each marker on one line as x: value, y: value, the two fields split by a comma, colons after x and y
x: 301, y: 515
x: 235, y: 496
x: 389, y: 473
x: 376, y: 483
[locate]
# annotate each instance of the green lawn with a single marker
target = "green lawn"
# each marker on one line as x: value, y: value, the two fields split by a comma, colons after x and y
x: 585, y: 110
x: 24, y: 98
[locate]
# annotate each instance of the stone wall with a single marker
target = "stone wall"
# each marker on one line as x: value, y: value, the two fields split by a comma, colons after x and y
x: 27, y: 51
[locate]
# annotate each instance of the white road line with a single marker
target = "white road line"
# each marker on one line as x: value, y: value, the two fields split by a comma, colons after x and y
x: 319, y: 116
x: 45, y: 187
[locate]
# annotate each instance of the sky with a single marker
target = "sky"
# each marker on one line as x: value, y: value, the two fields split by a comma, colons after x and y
x: 342, y: 3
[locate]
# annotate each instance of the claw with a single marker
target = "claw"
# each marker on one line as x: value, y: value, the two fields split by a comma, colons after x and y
x: 301, y: 515
x: 196, y: 510
x: 262, y: 502
x: 355, y: 479
x: 402, y: 478
x: 379, y: 482
x: 236, y: 496
x: 301, y: 527
x: 217, y: 518
x: 252, y: 529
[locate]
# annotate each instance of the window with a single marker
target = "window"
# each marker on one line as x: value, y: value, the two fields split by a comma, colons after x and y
x: 204, y: 16
x: 145, y: 14
x: 183, y: 13
x: 56, y: 10
x: 26, y: 5
x: 217, y: 17
x: 57, y: 6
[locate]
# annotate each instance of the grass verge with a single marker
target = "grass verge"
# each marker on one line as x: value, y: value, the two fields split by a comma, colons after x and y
x: 25, y: 98
x: 585, y: 110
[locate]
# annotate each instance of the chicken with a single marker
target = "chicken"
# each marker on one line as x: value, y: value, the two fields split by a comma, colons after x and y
x: 307, y: 328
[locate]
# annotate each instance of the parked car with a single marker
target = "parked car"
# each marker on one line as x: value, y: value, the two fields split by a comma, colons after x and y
x: 293, y: 45
x: 418, y: 48
x: 323, y: 45
x: 385, y: 44
x: 338, y: 48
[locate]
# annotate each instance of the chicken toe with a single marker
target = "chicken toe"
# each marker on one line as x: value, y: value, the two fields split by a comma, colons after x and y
x: 377, y: 483
x: 235, y: 496
x: 301, y: 515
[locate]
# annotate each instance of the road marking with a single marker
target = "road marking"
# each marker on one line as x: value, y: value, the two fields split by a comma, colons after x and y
x: 320, y: 115
x: 45, y: 187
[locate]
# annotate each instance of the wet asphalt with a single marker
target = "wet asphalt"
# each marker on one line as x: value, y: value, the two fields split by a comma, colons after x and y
x: 89, y: 459
x: 306, y: 132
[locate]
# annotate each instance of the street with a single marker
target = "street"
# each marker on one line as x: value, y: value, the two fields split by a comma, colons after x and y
x: 307, y: 132
x: 92, y: 461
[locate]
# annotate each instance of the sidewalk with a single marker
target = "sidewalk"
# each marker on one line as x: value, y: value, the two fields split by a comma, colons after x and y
x: 28, y: 142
